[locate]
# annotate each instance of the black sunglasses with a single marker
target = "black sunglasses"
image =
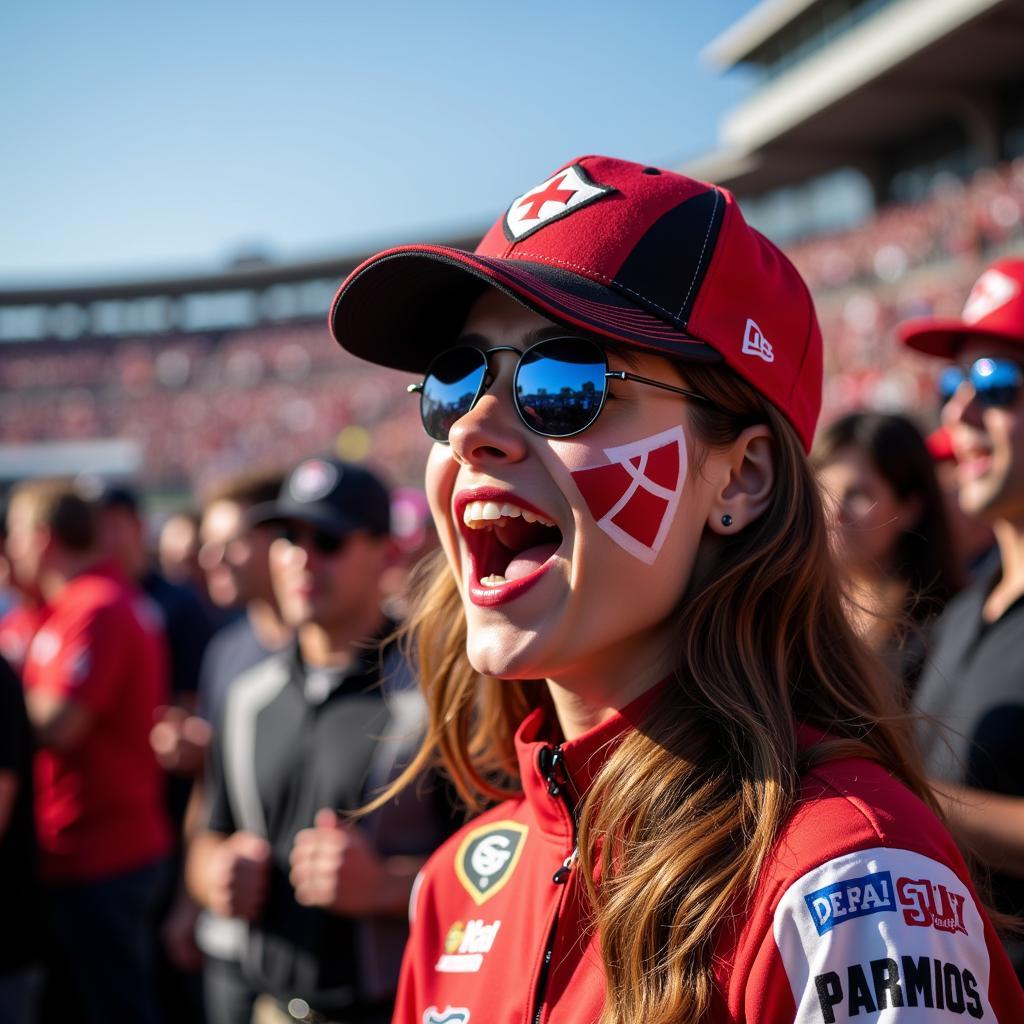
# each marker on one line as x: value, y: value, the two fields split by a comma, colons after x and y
x: 559, y: 389
x: 996, y: 382
x: 324, y: 542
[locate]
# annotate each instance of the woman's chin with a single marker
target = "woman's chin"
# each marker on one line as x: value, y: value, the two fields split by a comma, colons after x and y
x: 503, y: 656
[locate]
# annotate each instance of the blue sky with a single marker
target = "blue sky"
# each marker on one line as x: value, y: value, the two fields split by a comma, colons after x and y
x: 140, y: 137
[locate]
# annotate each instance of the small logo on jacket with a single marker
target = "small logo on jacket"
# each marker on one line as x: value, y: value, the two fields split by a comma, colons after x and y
x: 465, y: 946
x: 487, y: 857
x: 449, y: 1015
x: 924, y: 903
x: 756, y: 344
x: 853, y: 897
x: 930, y: 904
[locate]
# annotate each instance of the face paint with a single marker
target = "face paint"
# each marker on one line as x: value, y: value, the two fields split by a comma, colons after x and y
x: 634, y: 497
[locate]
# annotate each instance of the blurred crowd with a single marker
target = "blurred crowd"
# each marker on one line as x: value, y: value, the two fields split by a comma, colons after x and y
x: 271, y: 394
x: 192, y: 705
x: 187, y: 718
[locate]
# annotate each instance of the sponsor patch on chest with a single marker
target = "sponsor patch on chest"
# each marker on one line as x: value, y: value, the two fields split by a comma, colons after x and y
x: 465, y: 946
x: 488, y: 856
x: 449, y: 1015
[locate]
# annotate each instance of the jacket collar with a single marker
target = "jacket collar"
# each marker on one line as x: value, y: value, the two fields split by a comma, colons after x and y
x: 552, y: 789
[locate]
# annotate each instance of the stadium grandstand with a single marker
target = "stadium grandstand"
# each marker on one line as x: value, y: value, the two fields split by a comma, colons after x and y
x: 882, y: 142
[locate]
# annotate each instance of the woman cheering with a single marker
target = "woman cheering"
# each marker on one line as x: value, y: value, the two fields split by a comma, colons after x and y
x: 711, y: 808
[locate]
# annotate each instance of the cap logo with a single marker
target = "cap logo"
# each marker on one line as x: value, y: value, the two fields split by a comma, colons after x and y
x: 560, y: 195
x: 756, y: 344
x: 992, y: 291
x: 313, y: 480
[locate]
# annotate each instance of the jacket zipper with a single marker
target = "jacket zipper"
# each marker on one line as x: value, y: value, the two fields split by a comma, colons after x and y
x: 552, y: 767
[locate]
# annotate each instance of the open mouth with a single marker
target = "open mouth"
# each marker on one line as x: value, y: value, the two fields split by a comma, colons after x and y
x: 510, y: 544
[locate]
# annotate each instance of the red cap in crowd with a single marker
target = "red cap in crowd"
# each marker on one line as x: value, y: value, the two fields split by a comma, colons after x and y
x: 994, y: 309
x: 638, y: 254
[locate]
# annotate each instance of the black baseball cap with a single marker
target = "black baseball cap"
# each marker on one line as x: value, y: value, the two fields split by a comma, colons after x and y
x: 332, y: 495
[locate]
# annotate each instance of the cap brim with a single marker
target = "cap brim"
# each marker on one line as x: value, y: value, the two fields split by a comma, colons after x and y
x: 322, y: 516
x: 403, y: 306
x: 944, y: 337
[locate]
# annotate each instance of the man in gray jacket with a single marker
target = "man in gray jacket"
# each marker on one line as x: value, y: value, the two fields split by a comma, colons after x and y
x: 307, y: 735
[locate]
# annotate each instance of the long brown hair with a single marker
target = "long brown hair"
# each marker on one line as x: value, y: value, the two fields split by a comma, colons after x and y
x: 925, y: 555
x: 683, y: 815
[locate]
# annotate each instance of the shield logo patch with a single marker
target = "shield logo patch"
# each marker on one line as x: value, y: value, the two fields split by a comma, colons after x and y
x: 487, y: 857
x: 562, y: 194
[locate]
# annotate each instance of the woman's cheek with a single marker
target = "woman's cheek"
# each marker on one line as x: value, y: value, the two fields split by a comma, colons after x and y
x: 441, y: 474
x: 632, y: 490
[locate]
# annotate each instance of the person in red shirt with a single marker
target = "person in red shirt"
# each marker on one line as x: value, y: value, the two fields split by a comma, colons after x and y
x: 94, y: 674
x: 712, y: 809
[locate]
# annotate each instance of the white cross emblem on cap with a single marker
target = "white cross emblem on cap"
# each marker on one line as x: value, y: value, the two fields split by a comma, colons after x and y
x: 313, y: 480
x: 992, y: 291
x: 561, y: 194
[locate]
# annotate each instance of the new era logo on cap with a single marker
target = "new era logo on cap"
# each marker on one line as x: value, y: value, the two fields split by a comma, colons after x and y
x: 560, y: 195
x: 756, y: 344
x: 992, y: 291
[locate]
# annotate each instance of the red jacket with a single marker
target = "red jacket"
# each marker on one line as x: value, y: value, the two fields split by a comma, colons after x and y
x: 99, y: 806
x: 865, y: 911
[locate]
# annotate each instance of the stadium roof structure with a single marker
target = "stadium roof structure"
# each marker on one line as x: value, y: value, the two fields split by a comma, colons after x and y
x: 843, y: 80
x: 246, y: 294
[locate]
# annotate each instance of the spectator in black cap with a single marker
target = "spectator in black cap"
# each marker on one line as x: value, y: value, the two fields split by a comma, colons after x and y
x: 306, y: 736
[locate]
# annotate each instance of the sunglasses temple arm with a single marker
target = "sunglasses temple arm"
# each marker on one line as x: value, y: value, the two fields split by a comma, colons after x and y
x: 413, y: 389
x: 622, y: 375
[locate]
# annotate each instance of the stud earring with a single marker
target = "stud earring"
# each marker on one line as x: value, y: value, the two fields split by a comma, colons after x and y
x: 727, y: 519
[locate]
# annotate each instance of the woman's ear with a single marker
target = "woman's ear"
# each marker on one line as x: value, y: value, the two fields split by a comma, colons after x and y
x: 747, y: 476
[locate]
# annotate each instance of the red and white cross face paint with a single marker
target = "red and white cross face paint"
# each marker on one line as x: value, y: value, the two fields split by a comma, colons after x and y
x: 635, y: 496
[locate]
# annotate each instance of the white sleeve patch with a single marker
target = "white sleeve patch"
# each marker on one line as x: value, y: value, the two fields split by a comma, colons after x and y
x: 883, y: 935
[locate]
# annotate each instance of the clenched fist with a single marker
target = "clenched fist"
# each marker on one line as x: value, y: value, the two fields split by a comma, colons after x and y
x: 238, y: 876
x: 335, y: 866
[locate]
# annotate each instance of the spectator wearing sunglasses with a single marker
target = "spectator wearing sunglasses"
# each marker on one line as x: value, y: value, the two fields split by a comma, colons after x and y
x: 307, y: 736
x: 637, y: 642
x: 972, y: 687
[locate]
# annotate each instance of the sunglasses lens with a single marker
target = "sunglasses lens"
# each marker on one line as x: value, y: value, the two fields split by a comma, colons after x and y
x: 949, y: 380
x: 450, y: 388
x: 996, y: 382
x: 560, y: 386
x: 324, y: 542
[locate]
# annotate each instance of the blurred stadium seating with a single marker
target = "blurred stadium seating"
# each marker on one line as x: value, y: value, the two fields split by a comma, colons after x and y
x: 204, y: 404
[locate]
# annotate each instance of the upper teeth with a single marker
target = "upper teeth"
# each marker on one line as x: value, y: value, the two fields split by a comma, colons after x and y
x: 479, y: 515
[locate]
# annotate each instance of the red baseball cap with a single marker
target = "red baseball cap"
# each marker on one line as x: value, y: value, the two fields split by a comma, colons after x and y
x: 994, y: 309
x: 641, y: 255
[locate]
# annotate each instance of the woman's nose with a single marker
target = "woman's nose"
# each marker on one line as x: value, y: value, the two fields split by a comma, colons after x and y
x: 491, y: 432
